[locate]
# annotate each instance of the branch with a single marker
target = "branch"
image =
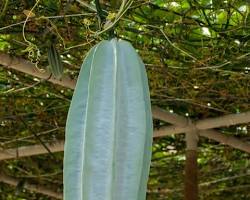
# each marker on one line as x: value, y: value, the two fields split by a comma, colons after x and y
x: 34, y: 188
x: 204, y: 184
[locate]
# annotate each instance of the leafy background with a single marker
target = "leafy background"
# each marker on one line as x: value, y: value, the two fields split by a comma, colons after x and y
x: 197, y: 57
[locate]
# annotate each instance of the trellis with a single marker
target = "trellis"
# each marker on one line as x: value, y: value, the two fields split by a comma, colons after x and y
x: 192, y: 130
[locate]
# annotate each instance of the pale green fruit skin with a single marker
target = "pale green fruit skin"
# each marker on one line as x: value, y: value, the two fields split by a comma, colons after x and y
x: 109, y: 127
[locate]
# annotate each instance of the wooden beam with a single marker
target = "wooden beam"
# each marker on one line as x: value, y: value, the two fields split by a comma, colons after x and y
x: 27, y: 67
x: 30, y: 150
x: 210, y: 133
x: 171, y: 118
x: 59, y: 146
x: 226, y: 120
x: 226, y: 139
x: 31, y: 187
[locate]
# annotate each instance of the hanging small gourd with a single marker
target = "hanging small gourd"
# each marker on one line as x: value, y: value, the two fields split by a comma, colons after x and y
x: 55, y: 62
x: 109, y: 127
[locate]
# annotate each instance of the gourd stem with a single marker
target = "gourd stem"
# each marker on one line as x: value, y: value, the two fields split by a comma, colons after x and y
x: 111, y: 33
x: 99, y: 10
x: 102, y: 17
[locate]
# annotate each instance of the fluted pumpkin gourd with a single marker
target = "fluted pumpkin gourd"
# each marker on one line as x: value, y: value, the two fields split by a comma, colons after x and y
x: 109, y: 127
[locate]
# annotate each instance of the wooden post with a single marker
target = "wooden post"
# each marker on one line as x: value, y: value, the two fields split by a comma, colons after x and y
x: 191, y: 167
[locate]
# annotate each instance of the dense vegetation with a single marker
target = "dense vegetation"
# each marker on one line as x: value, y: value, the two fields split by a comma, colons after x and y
x: 197, y: 55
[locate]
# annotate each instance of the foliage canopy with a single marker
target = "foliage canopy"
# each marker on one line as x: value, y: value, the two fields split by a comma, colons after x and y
x: 197, y: 54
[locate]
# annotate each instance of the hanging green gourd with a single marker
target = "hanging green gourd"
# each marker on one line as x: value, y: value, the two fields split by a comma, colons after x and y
x: 109, y: 127
x: 55, y: 62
